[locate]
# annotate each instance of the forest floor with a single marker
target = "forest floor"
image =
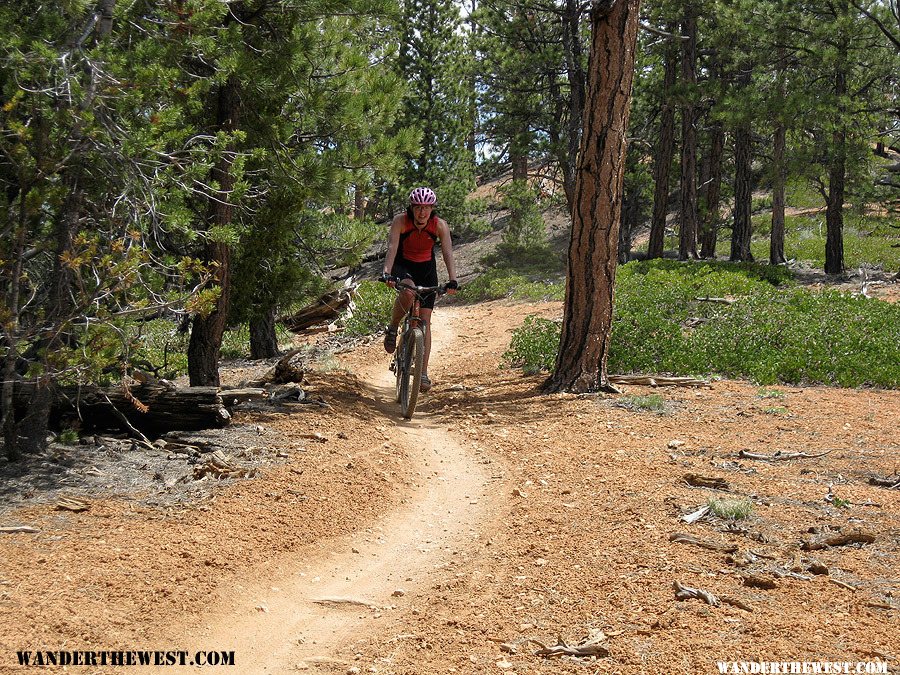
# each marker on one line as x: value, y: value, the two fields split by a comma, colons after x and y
x: 496, y: 522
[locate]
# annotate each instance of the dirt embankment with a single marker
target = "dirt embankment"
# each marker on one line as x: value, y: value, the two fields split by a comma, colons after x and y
x: 497, y: 521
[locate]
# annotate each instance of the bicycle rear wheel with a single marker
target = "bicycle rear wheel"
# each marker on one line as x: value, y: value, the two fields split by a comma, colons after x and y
x: 410, y: 377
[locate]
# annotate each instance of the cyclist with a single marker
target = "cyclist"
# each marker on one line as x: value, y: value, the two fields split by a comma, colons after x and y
x: 411, y: 261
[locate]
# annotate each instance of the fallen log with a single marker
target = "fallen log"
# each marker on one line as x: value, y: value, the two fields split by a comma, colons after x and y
x: 842, y: 539
x: 658, y: 381
x: 151, y: 409
x: 325, y: 309
x: 780, y: 455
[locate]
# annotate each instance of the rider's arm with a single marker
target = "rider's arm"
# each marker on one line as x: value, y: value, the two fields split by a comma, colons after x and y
x: 393, y: 242
x: 447, y: 248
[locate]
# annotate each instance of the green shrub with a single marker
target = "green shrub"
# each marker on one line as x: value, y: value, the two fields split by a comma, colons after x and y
x: 68, y: 437
x: 773, y: 332
x: 160, y: 344
x: 505, y: 283
x: 372, y: 309
x: 534, y: 345
x: 525, y: 227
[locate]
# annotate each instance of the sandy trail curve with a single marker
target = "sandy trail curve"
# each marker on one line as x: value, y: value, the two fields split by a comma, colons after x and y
x: 345, y: 588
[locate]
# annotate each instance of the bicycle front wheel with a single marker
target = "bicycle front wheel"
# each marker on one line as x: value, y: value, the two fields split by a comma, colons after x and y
x: 411, y: 378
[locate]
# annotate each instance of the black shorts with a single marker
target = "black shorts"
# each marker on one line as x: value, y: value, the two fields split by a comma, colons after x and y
x: 421, y: 273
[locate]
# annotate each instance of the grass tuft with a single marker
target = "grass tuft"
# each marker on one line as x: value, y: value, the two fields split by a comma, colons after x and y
x: 730, y: 509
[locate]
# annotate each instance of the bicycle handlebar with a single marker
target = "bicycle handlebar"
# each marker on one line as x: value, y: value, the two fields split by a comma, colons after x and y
x: 420, y: 290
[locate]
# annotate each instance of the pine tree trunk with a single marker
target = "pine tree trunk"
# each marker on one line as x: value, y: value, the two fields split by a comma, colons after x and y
x: 712, y: 182
x: 741, y: 231
x: 263, y: 340
x: 665, y: 150
x: 359, y: 203
x: 687, y: 241
x: 834, y: 209
x: 711, y: 177
x: 587, y: 317
x: 837, y: 171
x: 631, y: 208
x: 776, y: 241
x: 573, y: 50
x: 207, y: 331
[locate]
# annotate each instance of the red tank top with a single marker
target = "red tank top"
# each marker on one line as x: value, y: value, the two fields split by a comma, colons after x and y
x: 418, y: 245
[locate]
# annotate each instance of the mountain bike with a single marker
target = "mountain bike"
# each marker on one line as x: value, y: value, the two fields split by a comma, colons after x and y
x: 409, y: 356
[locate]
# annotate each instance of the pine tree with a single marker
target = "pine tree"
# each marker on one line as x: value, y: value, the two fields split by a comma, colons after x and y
x: 435, y: 63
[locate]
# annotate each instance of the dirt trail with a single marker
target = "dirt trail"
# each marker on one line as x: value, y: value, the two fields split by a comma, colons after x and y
x: 342, y: 589
x: 507, y: 517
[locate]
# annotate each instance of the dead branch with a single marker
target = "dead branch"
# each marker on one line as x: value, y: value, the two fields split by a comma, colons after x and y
x: 843, y: 584
x: 590, y: 646
x: 755, y: 581
x: 686, y: 593
x: 842, y: 539
x: 658, y: 381
x: 343, y: 602
x: 681, y: 538
x: 889, y: 483
x: 696, y: 480
x: 124, y: 420
x: 779, y: 455
x: 13, y: 529
x: 721, y: 301
x: 67, y: 504
x: 736, y: 602
x: 696, y: 515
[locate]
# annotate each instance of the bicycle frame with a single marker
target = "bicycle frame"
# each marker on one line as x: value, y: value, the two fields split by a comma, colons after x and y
x: 407, y: 362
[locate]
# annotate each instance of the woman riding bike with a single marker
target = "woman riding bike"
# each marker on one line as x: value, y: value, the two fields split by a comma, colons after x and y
x: 411, y: 261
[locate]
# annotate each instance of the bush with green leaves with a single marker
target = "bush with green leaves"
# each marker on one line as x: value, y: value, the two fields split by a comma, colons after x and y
x: 534, y: 345
x: 525, y: 227
x: 772, y: 332
x: 372, y: 309
x: 505, y: 283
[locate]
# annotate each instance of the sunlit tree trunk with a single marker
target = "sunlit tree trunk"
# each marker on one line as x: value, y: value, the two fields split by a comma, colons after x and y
x: 587, y: 315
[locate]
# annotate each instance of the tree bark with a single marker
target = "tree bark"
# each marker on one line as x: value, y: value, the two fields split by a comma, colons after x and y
x: 779, y: 171
x: 687, y: 240
x: 712, y: 189
x: 587, y: 316
x: 742, y: 231
x: 631, y: 209
x: 665, y: 150
x: 263, y: 340
x: 573, y: 50
x: 776, y: 240
x: 207, y: 330
x: 837, y: 170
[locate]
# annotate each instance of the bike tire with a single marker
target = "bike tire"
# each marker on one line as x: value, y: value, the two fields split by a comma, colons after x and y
x: 412, y: 379
x: 399, y: 367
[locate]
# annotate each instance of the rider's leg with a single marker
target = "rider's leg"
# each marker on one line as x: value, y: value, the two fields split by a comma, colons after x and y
x: 401, y: 304
x: 426, y: 317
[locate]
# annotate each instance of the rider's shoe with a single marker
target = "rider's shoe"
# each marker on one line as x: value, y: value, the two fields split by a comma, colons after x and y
x: 390, y: 339
x: 426, y: 383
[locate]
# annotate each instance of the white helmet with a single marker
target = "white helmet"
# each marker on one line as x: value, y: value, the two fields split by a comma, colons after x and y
x: 423, y: 195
